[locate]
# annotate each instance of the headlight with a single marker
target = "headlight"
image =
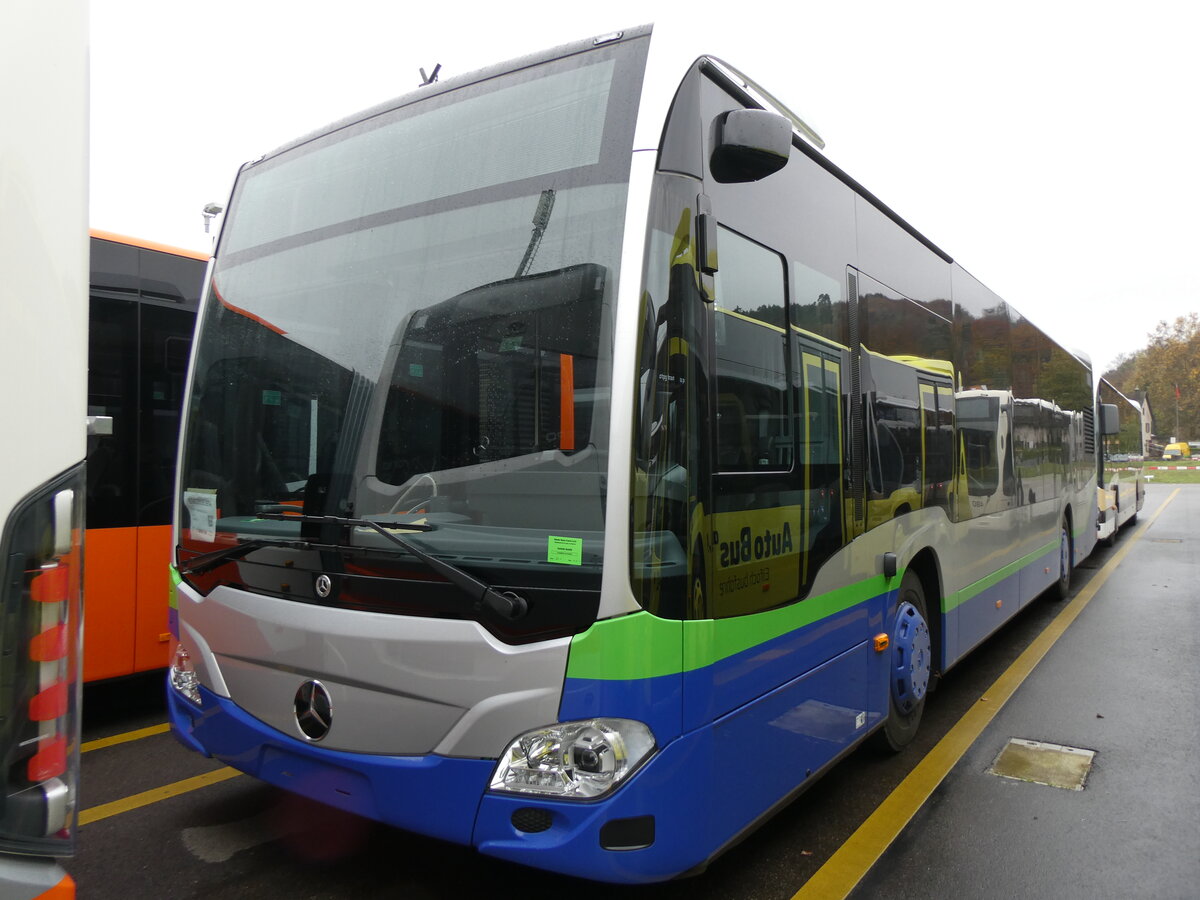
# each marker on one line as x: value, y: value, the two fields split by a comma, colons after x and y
x: 183, y: 675
x: 574, y: 760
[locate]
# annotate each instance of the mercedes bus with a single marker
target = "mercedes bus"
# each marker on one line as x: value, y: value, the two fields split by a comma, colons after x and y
x: 577, y: 463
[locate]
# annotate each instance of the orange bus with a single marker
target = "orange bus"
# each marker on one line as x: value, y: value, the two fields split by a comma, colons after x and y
x: 142, y: 312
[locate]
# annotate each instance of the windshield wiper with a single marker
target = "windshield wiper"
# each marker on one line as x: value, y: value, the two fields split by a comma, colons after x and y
x: 206, y: 562
x: 505, y: 603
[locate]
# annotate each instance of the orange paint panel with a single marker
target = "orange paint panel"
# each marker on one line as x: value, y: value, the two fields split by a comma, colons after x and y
x: 64, y: 890
x: 109, y: 602
x: 150, y: 651
x: 566, y: 402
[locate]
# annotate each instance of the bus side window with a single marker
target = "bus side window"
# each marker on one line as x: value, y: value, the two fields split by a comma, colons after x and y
x: 753, y: 430
x: 756, y: 526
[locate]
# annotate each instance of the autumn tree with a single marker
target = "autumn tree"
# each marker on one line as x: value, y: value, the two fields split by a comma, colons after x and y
x: 1168, y: 369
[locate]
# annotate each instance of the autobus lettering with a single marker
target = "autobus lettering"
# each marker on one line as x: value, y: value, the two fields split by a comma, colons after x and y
x: 750, y: 547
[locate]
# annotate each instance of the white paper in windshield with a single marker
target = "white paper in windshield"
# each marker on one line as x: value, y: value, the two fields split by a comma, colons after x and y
x: 201, y: 505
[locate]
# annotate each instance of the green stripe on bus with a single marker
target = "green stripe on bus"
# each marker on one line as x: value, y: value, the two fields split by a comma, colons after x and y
x: 641, y: 645
x: 973, y: 590
x: 176, y: 579
x: 644, y: 646
x: 635, y: 646
x: 712, y: 640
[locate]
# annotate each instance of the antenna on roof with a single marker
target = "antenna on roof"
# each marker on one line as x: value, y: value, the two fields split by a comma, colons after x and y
x: 427, y: 80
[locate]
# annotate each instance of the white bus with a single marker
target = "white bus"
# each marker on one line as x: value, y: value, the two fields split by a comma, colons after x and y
x: 43, y: 404
x: 1121, y: 489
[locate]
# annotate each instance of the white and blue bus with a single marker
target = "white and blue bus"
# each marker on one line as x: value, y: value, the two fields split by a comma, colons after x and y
x: 577, y: 463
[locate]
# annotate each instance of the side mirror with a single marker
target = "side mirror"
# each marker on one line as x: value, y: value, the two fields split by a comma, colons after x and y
x: 1110, y: 421
x: 749, y: 145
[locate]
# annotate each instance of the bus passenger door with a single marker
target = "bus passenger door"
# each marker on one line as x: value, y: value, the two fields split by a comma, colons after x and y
x: 770, y: 664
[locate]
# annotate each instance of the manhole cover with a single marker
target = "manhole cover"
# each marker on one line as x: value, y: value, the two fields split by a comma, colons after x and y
x: 1042, y: 763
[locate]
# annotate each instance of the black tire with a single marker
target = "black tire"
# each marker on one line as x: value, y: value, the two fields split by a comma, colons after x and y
x: 1066, y: 553
x: 900, y: 727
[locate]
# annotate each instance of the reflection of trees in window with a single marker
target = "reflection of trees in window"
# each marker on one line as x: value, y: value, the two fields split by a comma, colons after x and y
x: 753, y: 429
x: 984, y: 349
x: 1063, y: 379
x: 818, y: 303
x: 899, y: 326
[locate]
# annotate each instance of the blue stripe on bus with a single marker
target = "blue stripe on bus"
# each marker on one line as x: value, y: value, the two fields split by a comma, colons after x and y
x: 673, y: 704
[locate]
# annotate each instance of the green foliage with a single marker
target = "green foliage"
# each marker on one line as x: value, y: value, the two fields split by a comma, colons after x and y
x: 1170, y: 362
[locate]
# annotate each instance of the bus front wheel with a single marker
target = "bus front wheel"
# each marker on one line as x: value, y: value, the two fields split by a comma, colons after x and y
x: 910, y: 667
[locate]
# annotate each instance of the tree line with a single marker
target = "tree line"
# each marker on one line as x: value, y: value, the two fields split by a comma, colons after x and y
x: 1168, y: 370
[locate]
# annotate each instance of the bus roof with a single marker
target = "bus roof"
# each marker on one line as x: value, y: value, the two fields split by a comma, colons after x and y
x: 147, y: 245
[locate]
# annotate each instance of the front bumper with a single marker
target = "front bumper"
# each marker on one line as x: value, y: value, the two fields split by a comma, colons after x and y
x: 631, y: 836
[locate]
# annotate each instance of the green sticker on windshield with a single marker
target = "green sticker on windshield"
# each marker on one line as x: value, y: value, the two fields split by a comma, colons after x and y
x: 272, y: 398
x: 565, y: 550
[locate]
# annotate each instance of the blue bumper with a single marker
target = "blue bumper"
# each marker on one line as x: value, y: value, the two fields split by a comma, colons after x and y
x: 629, y: 837
x: 434, y: 795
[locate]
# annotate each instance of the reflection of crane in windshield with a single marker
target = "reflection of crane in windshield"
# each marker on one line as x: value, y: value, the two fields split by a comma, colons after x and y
x: 541, y: 219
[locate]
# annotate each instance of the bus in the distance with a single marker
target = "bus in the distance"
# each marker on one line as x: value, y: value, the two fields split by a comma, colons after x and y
x: 577, y: 463
x: 1121, y: 486
x: 142, y: 313
x: 43, y: 434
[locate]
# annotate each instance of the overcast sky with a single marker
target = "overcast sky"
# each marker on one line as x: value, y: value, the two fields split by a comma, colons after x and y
x: 1050, y: 147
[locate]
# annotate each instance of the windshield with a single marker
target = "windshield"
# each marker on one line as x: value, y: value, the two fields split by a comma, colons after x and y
x: 410, y: 321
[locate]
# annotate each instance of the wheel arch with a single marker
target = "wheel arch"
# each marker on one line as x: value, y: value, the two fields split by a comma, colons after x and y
x: 927, y: 567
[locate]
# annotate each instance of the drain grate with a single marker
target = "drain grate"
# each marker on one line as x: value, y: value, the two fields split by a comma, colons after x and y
x: 1050, y: 764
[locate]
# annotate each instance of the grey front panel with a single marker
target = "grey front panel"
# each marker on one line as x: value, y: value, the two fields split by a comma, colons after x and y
x: 398, y: 685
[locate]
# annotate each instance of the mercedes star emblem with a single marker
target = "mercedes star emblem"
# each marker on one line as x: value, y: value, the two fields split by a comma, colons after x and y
x: 324, y: 586
x: 314, y: 710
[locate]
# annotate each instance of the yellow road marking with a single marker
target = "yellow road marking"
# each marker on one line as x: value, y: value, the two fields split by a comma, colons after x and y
x: 145, y: 798
x: 124, y: 738
x: 842, y: 871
